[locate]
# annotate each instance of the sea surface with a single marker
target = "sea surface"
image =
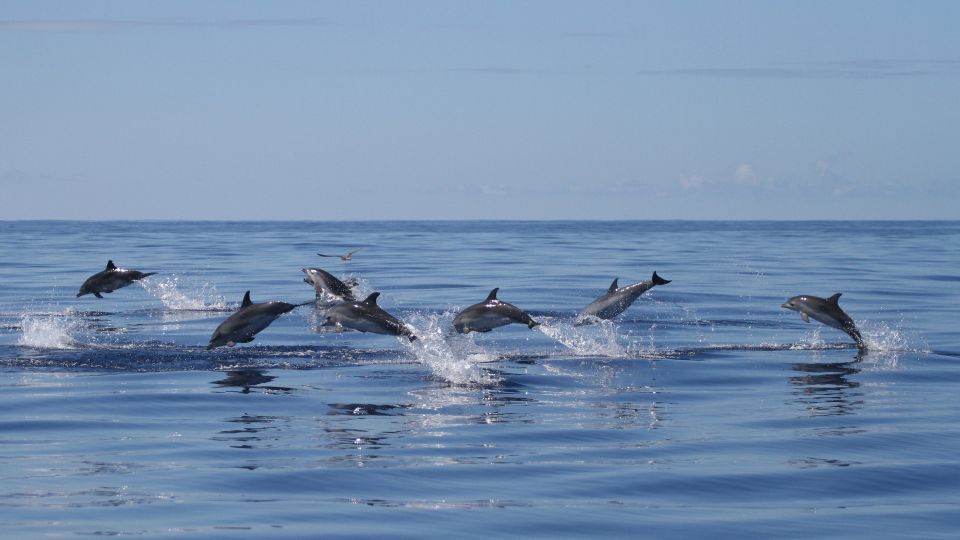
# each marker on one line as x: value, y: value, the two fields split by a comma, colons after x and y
x: 704, y: 411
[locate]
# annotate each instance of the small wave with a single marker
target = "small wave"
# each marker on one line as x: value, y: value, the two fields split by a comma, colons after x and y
x: 168, y: 290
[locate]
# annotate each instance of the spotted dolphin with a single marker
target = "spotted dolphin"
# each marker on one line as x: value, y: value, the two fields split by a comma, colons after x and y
x: 366, y: 316
x: 489, y: 314
x: 826, y: 311
x: 250, y: 319
x: 324, y: 281
x: 110, y: 279
x: 616, y: 300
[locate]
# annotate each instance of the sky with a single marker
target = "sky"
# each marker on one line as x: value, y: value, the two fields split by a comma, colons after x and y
x: 371, y: 110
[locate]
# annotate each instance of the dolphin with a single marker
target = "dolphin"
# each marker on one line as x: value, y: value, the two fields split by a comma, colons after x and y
x: 826, y: 311
x: 250, y: 319
x: 617, y: 299
x: 110, y: 279
x: 325, y: 281
x: 366, y: 316
x: 489, y: 314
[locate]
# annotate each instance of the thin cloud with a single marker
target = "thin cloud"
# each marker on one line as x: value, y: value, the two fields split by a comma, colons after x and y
x: 493, y: 70
x: 117, y: 25
x: 850, y: 70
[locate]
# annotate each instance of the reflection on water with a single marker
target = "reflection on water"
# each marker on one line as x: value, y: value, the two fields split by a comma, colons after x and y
x: 250, y: 379
x: 364, y: 408
x: 826, y: 390
x: 249, y: 431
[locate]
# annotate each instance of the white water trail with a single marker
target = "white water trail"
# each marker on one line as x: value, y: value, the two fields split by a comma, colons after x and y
x: 598, y: 339
x: 167, y: 289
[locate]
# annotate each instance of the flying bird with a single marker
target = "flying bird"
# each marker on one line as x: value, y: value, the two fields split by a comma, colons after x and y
x: 346, y: 257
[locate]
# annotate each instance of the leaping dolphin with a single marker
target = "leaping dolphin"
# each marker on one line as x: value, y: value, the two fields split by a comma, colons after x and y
x: 828, y: 312
x: 110, y: 279
x: 249, y: 320
x: 366, y: 316
x: 616, y: 300
x: 489, y: 314
x: 325, y: 281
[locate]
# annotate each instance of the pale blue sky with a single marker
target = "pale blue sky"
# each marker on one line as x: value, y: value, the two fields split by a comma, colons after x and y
x: 447, y: 110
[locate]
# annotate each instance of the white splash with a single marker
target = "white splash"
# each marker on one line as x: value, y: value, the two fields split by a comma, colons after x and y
x: 167, y: 290
x: 452, y: 357
x: 884, y: 343
x: 49, y: 330
x: 812, y: 340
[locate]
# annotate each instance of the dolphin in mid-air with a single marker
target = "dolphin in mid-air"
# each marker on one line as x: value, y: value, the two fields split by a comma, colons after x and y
x: 616, y: 300
x: 826, y: 311
x: 366, y: 316
x: 325, y: 281
x: 489, y: 314
x: 110, y: 279
x: 249, y: 320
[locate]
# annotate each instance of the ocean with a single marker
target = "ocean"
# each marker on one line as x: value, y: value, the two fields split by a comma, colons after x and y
x: 704, y: 410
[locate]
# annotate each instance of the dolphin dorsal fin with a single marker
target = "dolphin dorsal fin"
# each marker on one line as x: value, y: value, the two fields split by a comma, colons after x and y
x: 246, y: 300
x: 492, y: 295
x: 111, y: 266
x: 835, y: 299
x: 372, y: 299
x: 614, y: 286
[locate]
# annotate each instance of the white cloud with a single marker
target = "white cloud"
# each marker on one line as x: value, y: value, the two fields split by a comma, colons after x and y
x: 823, y: 167
x: 691, y: 181
x: 838, y: 184
x: 745, y: 175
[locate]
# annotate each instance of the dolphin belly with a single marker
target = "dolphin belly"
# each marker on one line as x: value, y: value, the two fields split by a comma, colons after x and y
x: 481, y: 322
x: 606, y: 307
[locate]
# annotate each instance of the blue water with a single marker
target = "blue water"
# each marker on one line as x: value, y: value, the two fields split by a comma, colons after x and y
x: 705, y: 410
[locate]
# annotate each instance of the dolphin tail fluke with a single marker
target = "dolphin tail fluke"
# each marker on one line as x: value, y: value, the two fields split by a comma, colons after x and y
x: 532, y: 324
x: 412, y: 338
x: 657, y: 280
x: 853, y: 332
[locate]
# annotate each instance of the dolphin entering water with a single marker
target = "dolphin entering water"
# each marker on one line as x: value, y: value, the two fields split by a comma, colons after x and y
x: 826, y: 311
x: 110, y: 279
x: 489, y: 314
x: 366, y: 316
x: 616, y: 300
x: 325, y: 281
x: 250, y: 319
